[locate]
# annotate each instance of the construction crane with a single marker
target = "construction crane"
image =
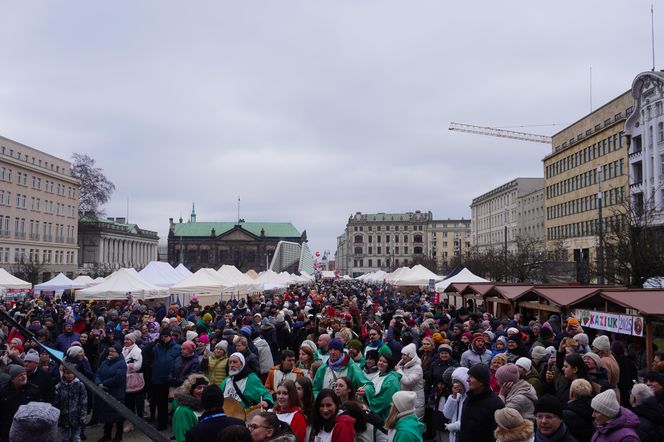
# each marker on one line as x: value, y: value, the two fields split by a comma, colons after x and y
x: 494, y: 132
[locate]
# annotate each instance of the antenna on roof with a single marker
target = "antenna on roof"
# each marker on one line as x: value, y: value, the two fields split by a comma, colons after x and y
x: 127, y: 210
x: 238, y: 209
x: 591, y: 89
x: 652, y: 27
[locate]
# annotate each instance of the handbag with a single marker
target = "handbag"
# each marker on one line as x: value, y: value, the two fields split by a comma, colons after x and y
x: 135, y: 382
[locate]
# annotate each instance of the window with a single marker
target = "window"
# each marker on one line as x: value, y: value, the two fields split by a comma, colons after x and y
x: 358, y: 239
x: 660, y: 131
x: 358, y: 250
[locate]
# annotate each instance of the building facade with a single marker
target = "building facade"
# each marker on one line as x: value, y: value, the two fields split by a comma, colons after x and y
x: 38, y: 212
x: 645, y: 129
x: 112, y: 243
x: 447, y: 239
x: 588, y: 166
x: 246, y: 245
x: 504, y: 214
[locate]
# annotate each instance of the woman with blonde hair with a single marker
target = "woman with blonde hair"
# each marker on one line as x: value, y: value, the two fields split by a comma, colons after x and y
x: 289, y: 409
x: 402, y: 424
x: 498, y: 361
x: 187, y: 405
x: 305, y: 360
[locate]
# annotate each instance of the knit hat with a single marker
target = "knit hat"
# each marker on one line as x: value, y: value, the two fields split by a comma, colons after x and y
x: 438, y: 338
x: 515, y: 338
x: 212, y: 397
x: 653, y: 376
x: 222, y: 345
x: 191, y: 335
x: 336, y: 344
x: 35, y: 422
x: 596, y: 359
x: 481, y: 373
x: 309, y: 344
x: 356, y: 344
x: 74, y: 351
x: 507, y: 373
x: 478, y: 337
x: 205, y: 339
x: 404, y: 402
x: 606, y: 403
x: 469, y: 335
x: 189, y: 346
x: 582, y: 339
x: 545, y: 333
x: 461, y: 374
x: 131, y: 337
x: 508, y: 418
x: 31, y: 356
x: 618, y: 348
x: 165, y: 331
x: 117, y: 347
x: 489, y: 334
x: 409, y: 350
x: 549, y: 404
x: 524, y: 363
x: 572, y: 322
x: 207, y: 317
x: 15, y: 370
x: 512, y: 331
x: 602, y: 343
x: 445, y: 347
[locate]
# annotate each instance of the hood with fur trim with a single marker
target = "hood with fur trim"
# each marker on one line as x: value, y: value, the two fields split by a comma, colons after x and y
x: 522, y: 433
x: 188, y: 400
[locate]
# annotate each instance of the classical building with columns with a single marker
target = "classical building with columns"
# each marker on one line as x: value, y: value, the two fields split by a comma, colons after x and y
x: 106, y: 244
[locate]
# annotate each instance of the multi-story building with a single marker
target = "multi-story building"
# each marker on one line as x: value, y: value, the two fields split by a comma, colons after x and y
x: 111, y: 243
x: 246, y: 245
x: 385, y: 241
x: 447, y: 239
x: 504, y: 214
x: 645, y: 127
x: 38, y: 212
x: 589, y: 159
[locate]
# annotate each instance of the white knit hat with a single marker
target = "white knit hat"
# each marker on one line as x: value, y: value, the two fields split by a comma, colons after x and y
x: 524, y: 363
x: 602, y: 343
x: 461, y: 374
x: 404, y: 401
x: 606, y: 403
x: 191, y: 335
x: 409, y: 350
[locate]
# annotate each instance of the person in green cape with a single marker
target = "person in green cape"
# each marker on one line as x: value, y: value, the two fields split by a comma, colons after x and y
x: 379, y: 393
x: 338, y: 365
x: 187, y: 405
x: 244, y: 385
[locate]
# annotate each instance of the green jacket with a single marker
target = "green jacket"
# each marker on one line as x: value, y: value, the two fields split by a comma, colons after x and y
x: 254, y: 391
x: 381, y: 402
x: 408, y: 429
x: 324, y: 377
x: 184, y: 417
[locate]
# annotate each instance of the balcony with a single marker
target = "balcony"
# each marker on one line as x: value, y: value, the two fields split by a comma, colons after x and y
x: 71, y: 241
x: 34, y: 236
x: 636, y: 186
x: 19, y: 235
x: 60, y: 239
x: 48, y: 238
x: 635, y: 155
x: 4, y: 234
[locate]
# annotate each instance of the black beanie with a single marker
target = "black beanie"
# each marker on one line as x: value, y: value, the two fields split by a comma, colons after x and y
x: 545, y: 333
x: 481, y: 373
x: 212, y: 397
x: 549, y: 404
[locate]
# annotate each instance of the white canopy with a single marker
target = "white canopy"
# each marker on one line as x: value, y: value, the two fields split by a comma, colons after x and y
x: 392, y: 277
x: 204, y: 282
x: 120, y: 284
x: 100, y: 279
x: 11, y: 282
x: 85, y: 280
x: 251, y: 273
x: 378, y: 276
x: 181, y: 269
x: 58, y: 284
x: 240, y: 283
x: 271, y: 280
x: 328, y: 274
x: 417, y: 276
x: 161, y: 274
x: 464, y: 275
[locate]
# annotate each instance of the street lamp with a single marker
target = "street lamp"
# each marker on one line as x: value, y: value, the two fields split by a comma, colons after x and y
x: 600, y: 229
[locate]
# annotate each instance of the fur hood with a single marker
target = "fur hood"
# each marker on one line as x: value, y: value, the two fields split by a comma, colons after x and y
x: 522, y: 433
x: 188, y: 400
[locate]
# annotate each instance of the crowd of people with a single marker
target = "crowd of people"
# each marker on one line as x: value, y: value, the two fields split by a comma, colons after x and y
x: 334, y: 362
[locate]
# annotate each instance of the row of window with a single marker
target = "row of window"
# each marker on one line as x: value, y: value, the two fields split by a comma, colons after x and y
x: 585, y: 179
x: 598, y: 128
x: 599, y: 149
x: 36, y: 204
x: 584, y: 228
x: 393, y: 250
x: 33, y: 231
x: 49, y: 185
x: 33, y: 256
x: 359, y: 239
x: 35, y: 161
x: 660, y: 136
x: 586, y: 203
x: 387, y: 228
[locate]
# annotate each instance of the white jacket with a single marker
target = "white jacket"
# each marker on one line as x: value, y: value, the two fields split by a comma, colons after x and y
x: 452, y: 410
x: 265, y: 360
x: 412, y: 379
x: 134, y: 352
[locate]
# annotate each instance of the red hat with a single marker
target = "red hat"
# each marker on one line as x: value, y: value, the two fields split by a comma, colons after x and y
x: 478, y: 336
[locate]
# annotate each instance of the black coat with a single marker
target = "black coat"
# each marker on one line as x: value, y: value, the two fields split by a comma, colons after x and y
x: 650, y: 414
x: 579, y: 418
x: 477, y: 420
x: 12, y: 398
x: 45, y: 384
x: 111, y: 376
x: 209, y: 426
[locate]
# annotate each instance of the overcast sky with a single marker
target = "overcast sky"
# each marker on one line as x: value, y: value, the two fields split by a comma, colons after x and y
x: 309, y: 110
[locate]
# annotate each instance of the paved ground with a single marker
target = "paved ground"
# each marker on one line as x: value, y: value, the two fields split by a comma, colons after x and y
x: 96, y: 432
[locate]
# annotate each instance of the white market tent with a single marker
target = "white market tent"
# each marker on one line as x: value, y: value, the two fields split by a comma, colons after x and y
x: 656, y: 282
x: 271, y: 280
x: 392, y: 277
x: 251, y: 273
x: 85, y: 280
x: 100, y: 279
x: 206, y: 284
x: 161, y: 274
x: 58, y: 284
x: 328, y: 274
x: 241, y: 283
x: 120, y: 284
x: 11, y: 282
x: 378, y: 276
x: 417, y: 276
x: 185, y: 272
x: 464, y: 275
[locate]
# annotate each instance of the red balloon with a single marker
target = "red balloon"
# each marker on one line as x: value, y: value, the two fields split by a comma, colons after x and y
x: 317, y: 253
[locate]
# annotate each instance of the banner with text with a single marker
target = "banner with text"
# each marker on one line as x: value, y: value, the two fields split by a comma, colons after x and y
x: 611, y: 322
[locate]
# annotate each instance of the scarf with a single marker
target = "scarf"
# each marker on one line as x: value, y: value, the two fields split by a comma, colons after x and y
x: 376, y: 344
x: 340, y: 363
x: 558, y: 435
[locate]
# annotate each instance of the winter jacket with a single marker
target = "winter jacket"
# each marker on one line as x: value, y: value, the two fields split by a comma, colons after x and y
x: 182, y: 368
x: 471, y: 357
x: 71, y: 398
x: 650, y: 416
x: 599, y: 380
x: 252, y: 388
x: 44, y: 382
x: 209, y: 425
x: 276, y: 377
x: 406, y: 429
x: 477, y: 420
x: 185, y: 416
x: 133, y: 357
x: 621, y: 429
x: 533, y: 378
x: 522, y: 398
x: 215, y: 368
x: 265, y: 360
x: 112, y: 377
x: 295, y: 418
x: 380, y: 391
x: 64, y: 341
x: 579, y: 418
x: 520, y: 433
x: 412, y: 379
x: 163, y: 358
x: 12, y: 398
x: 612, y: 370
x: 324, y: 378
x: 452, y: 410
x: 343, y: 431
x: 438, y: 368
x: 561, y: 435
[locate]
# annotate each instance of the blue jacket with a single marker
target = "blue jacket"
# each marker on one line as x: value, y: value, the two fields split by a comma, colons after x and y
x: 63, y: 342
x: 112, y: 375
x: 162, y: 364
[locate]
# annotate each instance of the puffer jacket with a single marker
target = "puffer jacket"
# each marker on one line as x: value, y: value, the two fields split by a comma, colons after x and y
x: 471, y: 357
x: 412, y: 379
x: 265, y: 360
x: 621, y: 429
x: 521, y: 397
x: 163, y: 358
x: 650, y: 415
x: 216, y: 368
x: 579, y: 418
x: 71, y: 398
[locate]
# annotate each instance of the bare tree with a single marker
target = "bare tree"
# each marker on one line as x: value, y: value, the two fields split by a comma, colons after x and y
x: 429, y: 263
x: 96, y: 189
x: 28, y: 270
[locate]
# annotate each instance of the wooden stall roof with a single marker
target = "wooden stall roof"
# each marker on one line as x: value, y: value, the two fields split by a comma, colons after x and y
x: 648, y: 302
x: 511, y: 292
x: 561, y: 296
